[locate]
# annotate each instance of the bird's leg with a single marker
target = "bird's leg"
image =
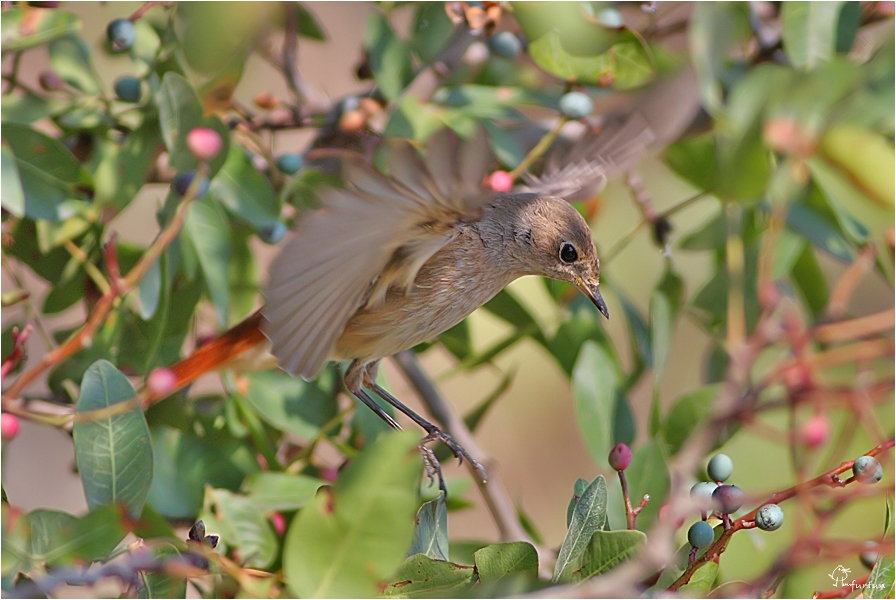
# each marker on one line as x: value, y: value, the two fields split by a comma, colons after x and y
x: 433, y: 432
x: 430, y: 462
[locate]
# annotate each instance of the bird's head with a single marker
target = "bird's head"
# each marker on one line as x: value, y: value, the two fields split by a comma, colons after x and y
x: 555, y: 241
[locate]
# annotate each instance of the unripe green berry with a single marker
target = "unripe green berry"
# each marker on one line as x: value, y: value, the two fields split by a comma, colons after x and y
x: 867, y: 469
x: 720, y: 467
x: 700, y: 534
x: 576, y: 105
x: 728, y: 498
x: 769, y: 517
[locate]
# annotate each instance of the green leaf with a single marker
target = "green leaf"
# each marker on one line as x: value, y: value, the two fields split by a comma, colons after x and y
x: 880, y: 581
x: 308, y: 26
x: 161, y: 584
x: 184, y: 464
x: 596, y: 383
x: 848, y: 26
x: 431, y: 533
x: 241, y: 526
x: 131, y: 166
x: 823, y: 234
x: 694, y: 158
x: 291, y: 404
x: 838, y: 188
x: 422, y: 575
x: 13, y: 198
x: 114, y: 454
x: 179, y: 112
x: 24, y: 28
x: 505, y: 146
x: 354, y: 536
x: 207, y: 231
x: 502, y: 560
x: 606, y: 549
x: 49, y: 174
x: 70, y: 59
x: 588, y: 516
x: 686, y: 414
x: 648, y: 475
x: 702, y: 580
x: 388, y: 56
x: 245, y: 192
x: 809, y: 278
x: 664, y: 305
x: 27, y: 107
x: 506, y: 307
x: 271, y: 491
x: 715, y: 29
x: 809, y: 32
x: 431, y: 30
x: 46, y: 531
x: 578, y: 489
x: 89, y: 538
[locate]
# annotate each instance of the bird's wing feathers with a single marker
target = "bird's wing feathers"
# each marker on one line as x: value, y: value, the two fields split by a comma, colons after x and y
x: 374, y: 234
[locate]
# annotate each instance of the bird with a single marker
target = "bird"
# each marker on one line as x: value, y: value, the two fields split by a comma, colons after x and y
x: 390, y: 261
x: 395, y: 256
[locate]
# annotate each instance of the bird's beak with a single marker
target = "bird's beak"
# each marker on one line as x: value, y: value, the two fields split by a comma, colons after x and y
x: 593, y: 294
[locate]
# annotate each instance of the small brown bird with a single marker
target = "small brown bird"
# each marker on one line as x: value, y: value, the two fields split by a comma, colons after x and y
x: 389, y: 262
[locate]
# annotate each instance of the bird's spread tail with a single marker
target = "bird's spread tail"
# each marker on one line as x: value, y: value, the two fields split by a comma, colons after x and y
x: 225, y: 351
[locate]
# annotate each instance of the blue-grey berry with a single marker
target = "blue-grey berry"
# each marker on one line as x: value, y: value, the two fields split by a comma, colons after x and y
x: 127, y: 88
x: 867, y: 469
x: 869, y: 555
x: 576, y: 105
x: 728, y: 498
x: 505, y: 45
x: 182, y: 181
x: 700, y: 534
x: 290, y: 163
x: 121, y: 33
x: 272, y: 233
x: 720, y: 467
x: 702, y: 493
x: 769, y: 517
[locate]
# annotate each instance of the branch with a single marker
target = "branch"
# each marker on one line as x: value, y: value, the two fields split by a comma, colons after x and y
x: 495, y: 495
x: 84, y: 336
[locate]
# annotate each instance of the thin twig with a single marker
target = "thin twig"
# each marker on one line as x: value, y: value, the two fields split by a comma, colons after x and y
x: 540, y: 148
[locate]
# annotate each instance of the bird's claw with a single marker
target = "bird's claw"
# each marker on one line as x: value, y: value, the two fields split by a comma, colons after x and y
x: 459, y: 451
x: 432, y: 466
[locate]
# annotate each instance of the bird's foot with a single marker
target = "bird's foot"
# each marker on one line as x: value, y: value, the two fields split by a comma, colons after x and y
x: 436, y: 434
x: 433, y: 466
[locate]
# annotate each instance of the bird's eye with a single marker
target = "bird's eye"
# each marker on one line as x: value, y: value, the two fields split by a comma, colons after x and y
x: 568, y: 253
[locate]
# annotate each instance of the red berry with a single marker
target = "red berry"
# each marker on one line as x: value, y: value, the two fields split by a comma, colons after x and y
x: 161, y: 382
x: 500, y: 181
x: 9, y: 426
x: 620, y: 457
x: 279, y: 523
x: 204, y: 143
x: 815, y: 431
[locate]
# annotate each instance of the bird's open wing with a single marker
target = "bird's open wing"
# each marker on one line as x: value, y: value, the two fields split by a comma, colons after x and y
x: 375, y: 233
x: 661, y: 114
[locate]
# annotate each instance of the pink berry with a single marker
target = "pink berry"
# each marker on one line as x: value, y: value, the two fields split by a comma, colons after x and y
x: 161, y: 382
x: 204, y: 143
x: 620, y: 457
x: 279, y: 523
x: 816, y: 431
x: 329, y: 474
x: 9, y: 426
x: 500, y: 181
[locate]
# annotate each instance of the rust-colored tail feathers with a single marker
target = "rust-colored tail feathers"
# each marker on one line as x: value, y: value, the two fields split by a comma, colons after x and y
x: 216, y: 354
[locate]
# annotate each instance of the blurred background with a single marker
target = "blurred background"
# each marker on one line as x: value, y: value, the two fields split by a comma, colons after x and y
x: 531, y: 432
